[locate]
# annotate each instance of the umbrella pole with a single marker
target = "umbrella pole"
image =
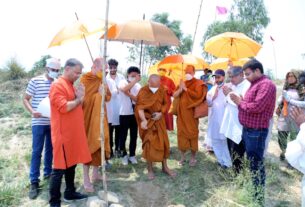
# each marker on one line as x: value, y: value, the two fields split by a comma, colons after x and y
x: 103, y: 108
x: 141, y: 51
x: 196, y: 26
x: 85, y: 41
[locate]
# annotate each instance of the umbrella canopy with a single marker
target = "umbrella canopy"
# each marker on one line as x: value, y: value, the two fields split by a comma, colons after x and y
x: 181, y: 60
x: 224, y: 63
x: 175, y: 65
x: 77, y: 30
x: 142, y: 31
x: 232, y: 45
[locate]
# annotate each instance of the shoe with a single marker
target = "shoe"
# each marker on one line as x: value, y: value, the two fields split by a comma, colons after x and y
x: 34, y: 190
x: 74, y: 196
x: 133, y: 160
x: 125, y: 160
x: 282, y: 157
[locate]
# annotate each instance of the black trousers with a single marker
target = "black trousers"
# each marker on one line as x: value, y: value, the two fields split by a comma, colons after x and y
x: 128, y: 122
x: 116, y: 130
x: 237, y: 152
x: 55, y: 183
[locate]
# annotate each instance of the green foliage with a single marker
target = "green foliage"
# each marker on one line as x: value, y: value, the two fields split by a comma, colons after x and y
x: 247, y: 16
x: 38, y: 67
x: 13, y: 70
x: 153, y: 53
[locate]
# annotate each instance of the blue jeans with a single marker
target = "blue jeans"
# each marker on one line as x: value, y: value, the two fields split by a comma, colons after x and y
x: 254, y: 140
x: 41, y: 137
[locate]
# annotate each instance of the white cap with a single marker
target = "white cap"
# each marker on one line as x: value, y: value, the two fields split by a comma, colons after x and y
x: 53, y: 63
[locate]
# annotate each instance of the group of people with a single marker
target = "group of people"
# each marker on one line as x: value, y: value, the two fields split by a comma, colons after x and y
x: 240, y: 111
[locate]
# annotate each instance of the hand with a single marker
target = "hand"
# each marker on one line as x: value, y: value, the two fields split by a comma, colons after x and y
x: 226, y: 90
x: 127, y: 93
x: 182, y: 86
x: 36, y: 114
x: 157, y: 116
x: 236, y: 99
x: 297, y: 115
x: 101, y: 88
x: 144, y: 124
x: 80, y: 92
x: 286, y: 96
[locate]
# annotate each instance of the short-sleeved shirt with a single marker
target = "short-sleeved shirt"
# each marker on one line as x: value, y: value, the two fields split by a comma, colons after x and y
x: 125, y: 101
x: 39, y: 88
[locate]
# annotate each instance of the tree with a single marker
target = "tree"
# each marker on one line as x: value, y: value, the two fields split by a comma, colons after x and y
x: 247, y: 16
x: 13, y: 70
x: 153, y: 53
x: 39, y: 65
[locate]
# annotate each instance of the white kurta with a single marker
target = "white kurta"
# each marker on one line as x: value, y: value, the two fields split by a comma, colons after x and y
x: 295, y: 155
x: 114, y: 102
x: 114, y: 93
x: 219, y: 141
x: 230, y: 126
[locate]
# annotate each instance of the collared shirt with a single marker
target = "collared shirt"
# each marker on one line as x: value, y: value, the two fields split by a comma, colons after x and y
x: 257, y: 107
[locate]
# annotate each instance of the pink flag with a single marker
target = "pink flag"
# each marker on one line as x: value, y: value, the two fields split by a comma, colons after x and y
x: 221, y: 10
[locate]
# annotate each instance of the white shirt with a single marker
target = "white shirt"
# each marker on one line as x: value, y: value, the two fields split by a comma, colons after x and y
x: 230, y: 126
x: 126, y: 102
x: 217, y: 110
x: 295, y: 152
x: 113, y: 106
x: 114, y: 93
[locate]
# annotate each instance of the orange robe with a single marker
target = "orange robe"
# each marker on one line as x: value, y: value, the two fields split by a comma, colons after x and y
x: 67, y: 128
x: 170, y: 87
x: 155, y: 143
x: 187, y: 125
x: 92, y: 116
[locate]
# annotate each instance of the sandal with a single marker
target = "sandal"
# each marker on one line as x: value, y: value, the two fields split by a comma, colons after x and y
x: 192, y: 163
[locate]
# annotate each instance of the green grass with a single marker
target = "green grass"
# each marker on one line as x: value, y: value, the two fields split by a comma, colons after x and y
x: 203, y: 185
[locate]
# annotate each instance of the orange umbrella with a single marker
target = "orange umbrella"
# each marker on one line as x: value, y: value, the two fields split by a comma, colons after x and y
x: 143, y: 31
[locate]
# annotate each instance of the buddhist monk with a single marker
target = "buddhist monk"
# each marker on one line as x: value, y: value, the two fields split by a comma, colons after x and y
x: 151, y: 107
x: 191, y: 93
x: 68, y: 132
x: 170, y: 88
x: 92, y: 115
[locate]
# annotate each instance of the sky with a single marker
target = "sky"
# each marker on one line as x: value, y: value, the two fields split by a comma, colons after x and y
x: 29, y: 26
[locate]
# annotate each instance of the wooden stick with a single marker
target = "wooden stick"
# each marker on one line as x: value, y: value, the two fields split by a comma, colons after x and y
x: 85, y: 41
x: 103, y: 107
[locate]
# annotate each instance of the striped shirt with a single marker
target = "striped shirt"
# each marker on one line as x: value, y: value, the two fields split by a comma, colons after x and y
x: 38, y: 88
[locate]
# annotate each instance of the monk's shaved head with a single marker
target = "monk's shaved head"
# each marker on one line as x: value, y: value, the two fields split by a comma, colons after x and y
x: 154, y: 81
x: 98, y: 65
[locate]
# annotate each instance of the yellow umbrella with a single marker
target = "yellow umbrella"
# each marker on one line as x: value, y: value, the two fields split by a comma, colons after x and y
x: 232, y: 45
x: 224, y: 63
x: 78, y: 30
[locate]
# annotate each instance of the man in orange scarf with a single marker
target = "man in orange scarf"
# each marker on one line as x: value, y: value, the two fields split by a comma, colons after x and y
x: 150, y: 113
x: 170, y: 88
x: 191, y: 93
x: 68, y: 132
x: 93, y: 83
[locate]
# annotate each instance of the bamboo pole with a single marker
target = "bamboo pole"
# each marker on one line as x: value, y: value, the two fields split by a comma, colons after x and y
x: 195, y: 32
x: 85, y: 40
x: 103, y: 107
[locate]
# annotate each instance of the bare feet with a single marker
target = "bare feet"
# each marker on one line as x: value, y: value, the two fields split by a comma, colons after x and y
x: 181, y: 162
x: 151, y: 176
x: 88, y: 187
x: 169, y: 172
x: 192, y: 162
x: 96, y: 178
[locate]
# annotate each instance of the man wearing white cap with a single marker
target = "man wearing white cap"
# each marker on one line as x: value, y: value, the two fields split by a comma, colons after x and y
x: 38, y: 89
